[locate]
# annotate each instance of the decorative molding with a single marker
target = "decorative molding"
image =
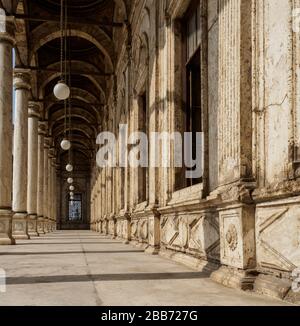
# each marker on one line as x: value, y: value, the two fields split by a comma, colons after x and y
x: 232, y: 237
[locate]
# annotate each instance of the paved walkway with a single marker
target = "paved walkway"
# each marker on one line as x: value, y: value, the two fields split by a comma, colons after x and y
x: 84, y: 268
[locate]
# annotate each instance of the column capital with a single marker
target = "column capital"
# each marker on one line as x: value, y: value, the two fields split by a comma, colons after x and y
x: 52, y: 153
x: 47, y: 142
x: 34, y: 109
x: 22, y: 79
x: 7, y: 28
x: 53, y: 162
x: 42, y: 128
x: 57, y: 167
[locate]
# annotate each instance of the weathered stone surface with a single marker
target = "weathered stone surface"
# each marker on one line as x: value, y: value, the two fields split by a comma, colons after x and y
x: 241, y: 221
x: 277, y: 235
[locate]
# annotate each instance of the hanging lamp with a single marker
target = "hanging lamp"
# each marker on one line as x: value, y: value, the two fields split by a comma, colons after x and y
x: 61, y: 89
x: 69, y: 166
x: 65, y: 144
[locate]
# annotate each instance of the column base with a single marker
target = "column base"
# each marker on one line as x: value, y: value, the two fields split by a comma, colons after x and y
x: 154, y: 232
x: 235, y: 278
x: 32, y: 226
x: 20, y: 226
x: 272, y: 286
x: 6, y: 228
x: 46, y: 226
x: 40, y: 225
x: 152, y: 251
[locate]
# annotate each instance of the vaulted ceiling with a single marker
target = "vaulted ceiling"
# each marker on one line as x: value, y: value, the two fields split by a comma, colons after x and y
x: 91, y: 58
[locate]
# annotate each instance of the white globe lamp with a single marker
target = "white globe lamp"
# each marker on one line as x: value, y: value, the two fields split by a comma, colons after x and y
x: 69, y: 167
x: 70, y: 180
x: 65, y: 145
x: 61, y: 91
x: 72, y: 188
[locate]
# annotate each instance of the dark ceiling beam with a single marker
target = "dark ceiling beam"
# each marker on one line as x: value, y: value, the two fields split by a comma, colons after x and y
x: 62, y: 102
x: 75, y: 72
x: 77, y: 20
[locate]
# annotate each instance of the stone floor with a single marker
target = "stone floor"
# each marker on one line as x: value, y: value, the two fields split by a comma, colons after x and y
x: 84, y: 268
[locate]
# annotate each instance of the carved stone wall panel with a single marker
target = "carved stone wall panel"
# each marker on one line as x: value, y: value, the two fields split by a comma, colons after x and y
x: 134, y: 230
x: 169, y: 230
x: 119, y: 228
x: 143, y: 230
x: 124, y: 229
x: 104, y: 227
x: 139, y: 229
x: 232, y: 251
x: 237, y: 237
x: 196, y: 234
x: 278, y: 235
x: 111, y: 227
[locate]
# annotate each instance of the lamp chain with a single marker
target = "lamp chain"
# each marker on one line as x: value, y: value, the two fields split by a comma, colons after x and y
x: 62, y: 36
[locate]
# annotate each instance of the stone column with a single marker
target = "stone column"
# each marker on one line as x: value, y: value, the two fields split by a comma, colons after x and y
x: 52, y: 195
x: 6, y: 45
x: 98, y: 216
x: 92, y: 210
x: 52, y: 183
x: 236, y: 182
x: 32, y: 187
x: 40, y: 191
x: 57, y: 195
x: 93, y: 205
x: 20, y: 154
x: 96, y: 208
x: 46, y: 184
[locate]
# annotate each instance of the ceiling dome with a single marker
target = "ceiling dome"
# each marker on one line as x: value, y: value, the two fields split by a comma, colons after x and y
x: 75, y: 6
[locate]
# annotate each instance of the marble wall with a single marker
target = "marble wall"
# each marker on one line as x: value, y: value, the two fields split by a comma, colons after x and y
x: 241, y: 223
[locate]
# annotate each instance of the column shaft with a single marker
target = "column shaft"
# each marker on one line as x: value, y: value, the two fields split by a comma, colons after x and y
x: 46, y: 183
x: 6, y: 45
x: 54, y: 206
x: 40, y: 197
x: 20, y: 154
x: 32, y: 188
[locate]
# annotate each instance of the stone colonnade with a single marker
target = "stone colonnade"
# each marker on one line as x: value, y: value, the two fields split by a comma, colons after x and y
x: 27, y: 166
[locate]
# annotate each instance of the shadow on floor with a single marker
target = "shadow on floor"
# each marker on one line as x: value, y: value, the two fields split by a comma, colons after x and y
x: 67, y: 238
x: 65, y: 243
x: 69, y: 252
x: 104, y: 278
